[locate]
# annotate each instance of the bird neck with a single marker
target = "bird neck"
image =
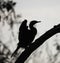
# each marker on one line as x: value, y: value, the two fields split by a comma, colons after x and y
x: 33, y: 30
x: 32, y: 27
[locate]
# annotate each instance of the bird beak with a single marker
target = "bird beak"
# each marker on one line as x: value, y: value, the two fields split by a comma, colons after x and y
x: 38, y: 21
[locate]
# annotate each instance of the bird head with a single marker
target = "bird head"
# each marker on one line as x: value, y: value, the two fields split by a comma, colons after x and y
x: 33, y: 23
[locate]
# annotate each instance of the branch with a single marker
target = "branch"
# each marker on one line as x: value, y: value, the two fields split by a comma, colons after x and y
x: 38, y: 42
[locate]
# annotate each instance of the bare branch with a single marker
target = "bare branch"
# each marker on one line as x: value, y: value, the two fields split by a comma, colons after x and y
x: 38, y: 42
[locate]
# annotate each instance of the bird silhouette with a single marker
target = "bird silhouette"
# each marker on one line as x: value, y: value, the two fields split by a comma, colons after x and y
x: 26, y: 36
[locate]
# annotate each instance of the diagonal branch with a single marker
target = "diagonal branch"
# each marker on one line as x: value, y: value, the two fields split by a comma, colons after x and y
x: 38, y: 42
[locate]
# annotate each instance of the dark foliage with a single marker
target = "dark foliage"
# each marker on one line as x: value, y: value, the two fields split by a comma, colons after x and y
x: 8, y: 5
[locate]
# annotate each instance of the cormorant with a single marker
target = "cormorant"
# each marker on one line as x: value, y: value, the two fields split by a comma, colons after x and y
x: 26, y: 36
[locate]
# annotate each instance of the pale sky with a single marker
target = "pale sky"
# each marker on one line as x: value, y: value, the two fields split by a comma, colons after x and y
x: 39, y: 9
x: 47, y: 11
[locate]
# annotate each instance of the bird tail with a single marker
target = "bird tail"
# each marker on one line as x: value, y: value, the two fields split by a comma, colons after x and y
x: 15, y: 52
